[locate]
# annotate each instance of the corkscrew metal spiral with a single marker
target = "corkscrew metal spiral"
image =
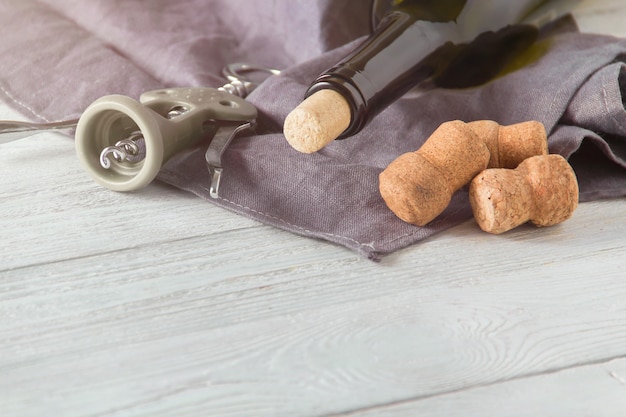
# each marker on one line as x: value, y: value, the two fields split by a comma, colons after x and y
x: 237, y: 74
x: 132, y: 148
x: 123, y: 150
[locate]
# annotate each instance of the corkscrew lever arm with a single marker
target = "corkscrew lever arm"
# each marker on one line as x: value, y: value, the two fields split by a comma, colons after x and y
x: 224, y: 135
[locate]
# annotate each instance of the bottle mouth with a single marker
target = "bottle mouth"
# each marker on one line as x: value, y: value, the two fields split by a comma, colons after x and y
x: 356, y: 101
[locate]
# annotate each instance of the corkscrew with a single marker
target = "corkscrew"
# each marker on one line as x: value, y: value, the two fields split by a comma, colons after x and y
x: 122, y: 143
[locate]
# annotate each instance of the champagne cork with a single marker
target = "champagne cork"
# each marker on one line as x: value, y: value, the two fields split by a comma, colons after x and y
x: 318, y: 120
x: 542, y: 189
x: 510, y: 145
x: 419, y: 185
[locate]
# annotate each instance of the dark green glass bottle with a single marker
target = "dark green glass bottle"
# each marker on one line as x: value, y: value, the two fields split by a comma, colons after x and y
x: 433, y: 43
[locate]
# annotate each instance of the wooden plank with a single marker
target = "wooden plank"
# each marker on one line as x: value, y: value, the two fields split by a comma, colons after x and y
x: 298, y: 340
x: 346, y: 356
x: 595, y: 390
x: 229, y: 263
x: 56, y: 212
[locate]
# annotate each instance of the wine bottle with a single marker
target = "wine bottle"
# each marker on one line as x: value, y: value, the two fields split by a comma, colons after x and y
x: 416, y: 43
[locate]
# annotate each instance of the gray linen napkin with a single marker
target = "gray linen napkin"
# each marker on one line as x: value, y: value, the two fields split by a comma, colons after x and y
x: 71, y: 53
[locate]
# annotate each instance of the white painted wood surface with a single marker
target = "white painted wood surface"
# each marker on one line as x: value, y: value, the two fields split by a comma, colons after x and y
x: 159, y: 304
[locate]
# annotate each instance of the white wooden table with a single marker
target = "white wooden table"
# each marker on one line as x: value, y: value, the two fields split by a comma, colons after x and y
x: 159, y: 304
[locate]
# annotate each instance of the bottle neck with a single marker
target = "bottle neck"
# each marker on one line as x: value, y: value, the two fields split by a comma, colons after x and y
x: 405, y: 52
x: 382, y: 69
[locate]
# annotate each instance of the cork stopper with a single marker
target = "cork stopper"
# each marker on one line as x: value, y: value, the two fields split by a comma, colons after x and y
x: 414, y: 189
x: 510, y: 145
x: 318, y: 120
x: 488, y: 131
x: 418, y: 186
x: 542, y: 189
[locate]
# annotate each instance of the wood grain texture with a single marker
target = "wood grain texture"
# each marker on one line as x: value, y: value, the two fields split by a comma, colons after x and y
x: 157, y: 303
x: 594, y: 390
x: 296, y: 340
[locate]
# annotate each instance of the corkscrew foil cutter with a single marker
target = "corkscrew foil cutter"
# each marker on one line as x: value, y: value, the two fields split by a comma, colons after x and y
x: 122, y: 143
